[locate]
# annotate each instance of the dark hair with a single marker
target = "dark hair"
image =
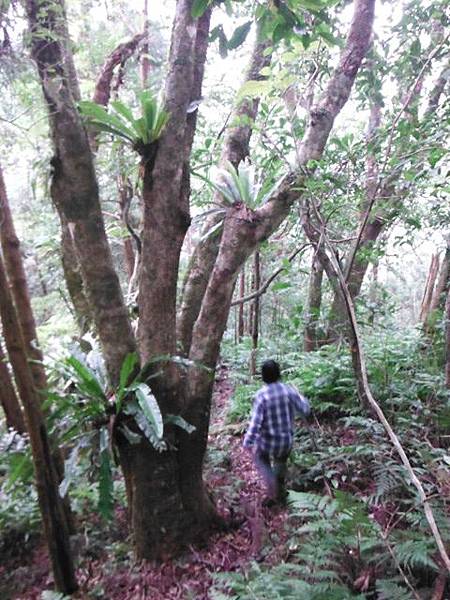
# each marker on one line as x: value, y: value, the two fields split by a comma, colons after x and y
x: 270, y: 371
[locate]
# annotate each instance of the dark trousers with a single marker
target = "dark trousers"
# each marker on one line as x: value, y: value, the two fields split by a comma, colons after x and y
x: 273, y: 471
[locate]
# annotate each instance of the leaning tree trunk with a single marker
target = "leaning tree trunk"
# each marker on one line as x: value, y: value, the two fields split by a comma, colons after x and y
x: 8, y: 398
x: 74, y: 186
x: 244, y: 230
x: 16, y: 274
x: 19, y: 287
x: 429, y: 288
x: 50, y: 502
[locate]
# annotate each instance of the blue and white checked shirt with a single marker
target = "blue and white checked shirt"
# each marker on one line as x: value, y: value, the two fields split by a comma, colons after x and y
x: 271, y: 427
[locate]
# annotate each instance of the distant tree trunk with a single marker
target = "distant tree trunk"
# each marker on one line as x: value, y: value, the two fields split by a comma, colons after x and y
x: 256, y: 310
x: 8, y: 398
x: 447, y: 341
x: 442, y: 283
x: 310, y: 341
x: 50, y: 502
x: 429, y: 289
x: 241, y: 320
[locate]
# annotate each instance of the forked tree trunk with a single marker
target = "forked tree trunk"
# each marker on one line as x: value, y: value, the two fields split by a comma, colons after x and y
x: 8, y: 398
x: 50, y: 502
x: 310, y: 341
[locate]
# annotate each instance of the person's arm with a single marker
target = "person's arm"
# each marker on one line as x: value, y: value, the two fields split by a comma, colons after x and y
x: 301, y: 403
x: 255, y: 424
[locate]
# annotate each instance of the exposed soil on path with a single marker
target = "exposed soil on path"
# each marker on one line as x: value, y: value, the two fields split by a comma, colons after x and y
x: 106, y: 569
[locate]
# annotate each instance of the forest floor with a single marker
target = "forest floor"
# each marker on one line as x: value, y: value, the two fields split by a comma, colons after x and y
x: 105, y: 565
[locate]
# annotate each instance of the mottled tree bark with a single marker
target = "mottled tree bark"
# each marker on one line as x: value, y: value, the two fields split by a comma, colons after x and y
x: 8, y: 398
x: 74, y: 187
x: 235, y: 149
x: 50, y: 502
x: 311, y: 341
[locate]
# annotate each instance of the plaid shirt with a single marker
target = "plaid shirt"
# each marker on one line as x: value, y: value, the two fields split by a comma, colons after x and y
x: 272, y: 424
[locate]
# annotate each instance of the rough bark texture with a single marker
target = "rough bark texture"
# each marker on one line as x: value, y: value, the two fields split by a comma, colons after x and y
x: 166, y: 188
x: 73, y: 278
x: 8, y: 398
x: 74, y: 187
x: 16, y: 274
x: 429, y: 288
x: 311, y: 341
x: 118, y: 56
x: 235, y: 150
x: 50, y: 503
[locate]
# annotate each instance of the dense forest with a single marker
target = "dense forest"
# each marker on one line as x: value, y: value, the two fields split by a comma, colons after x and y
x: 188, y: 189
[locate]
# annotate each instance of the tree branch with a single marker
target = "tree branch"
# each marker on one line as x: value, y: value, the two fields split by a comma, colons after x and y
x: 266, y: 284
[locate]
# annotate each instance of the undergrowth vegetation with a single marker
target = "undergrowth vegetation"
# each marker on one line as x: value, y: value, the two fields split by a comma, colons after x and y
x: 356, y: 526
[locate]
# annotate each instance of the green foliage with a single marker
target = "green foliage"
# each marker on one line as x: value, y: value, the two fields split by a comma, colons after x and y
x: 120, y: 122
x: 240, y: 185
x: 86, y: 414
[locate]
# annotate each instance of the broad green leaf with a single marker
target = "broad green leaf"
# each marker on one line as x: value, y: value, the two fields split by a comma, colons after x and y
x: 86, y: 380
x: 132, y: 437
x: 180, y: 422
x: 105, y: 485
x: 70, y: 471
x: 127, y: 370
x: 96, y: 113
x: 150, y: 408
x: 239, y: 35
x: 123, y: 110
x: 199, y: 7
x: 253, y: 89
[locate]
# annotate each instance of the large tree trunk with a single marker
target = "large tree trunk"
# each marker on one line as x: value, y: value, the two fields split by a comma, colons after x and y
x: 50, y: 502
x: 8, y: 398
x: 310, y: 341
x: 74, y: 186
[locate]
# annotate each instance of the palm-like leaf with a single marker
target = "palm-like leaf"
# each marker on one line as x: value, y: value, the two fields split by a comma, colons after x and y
x: 120, y: 121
